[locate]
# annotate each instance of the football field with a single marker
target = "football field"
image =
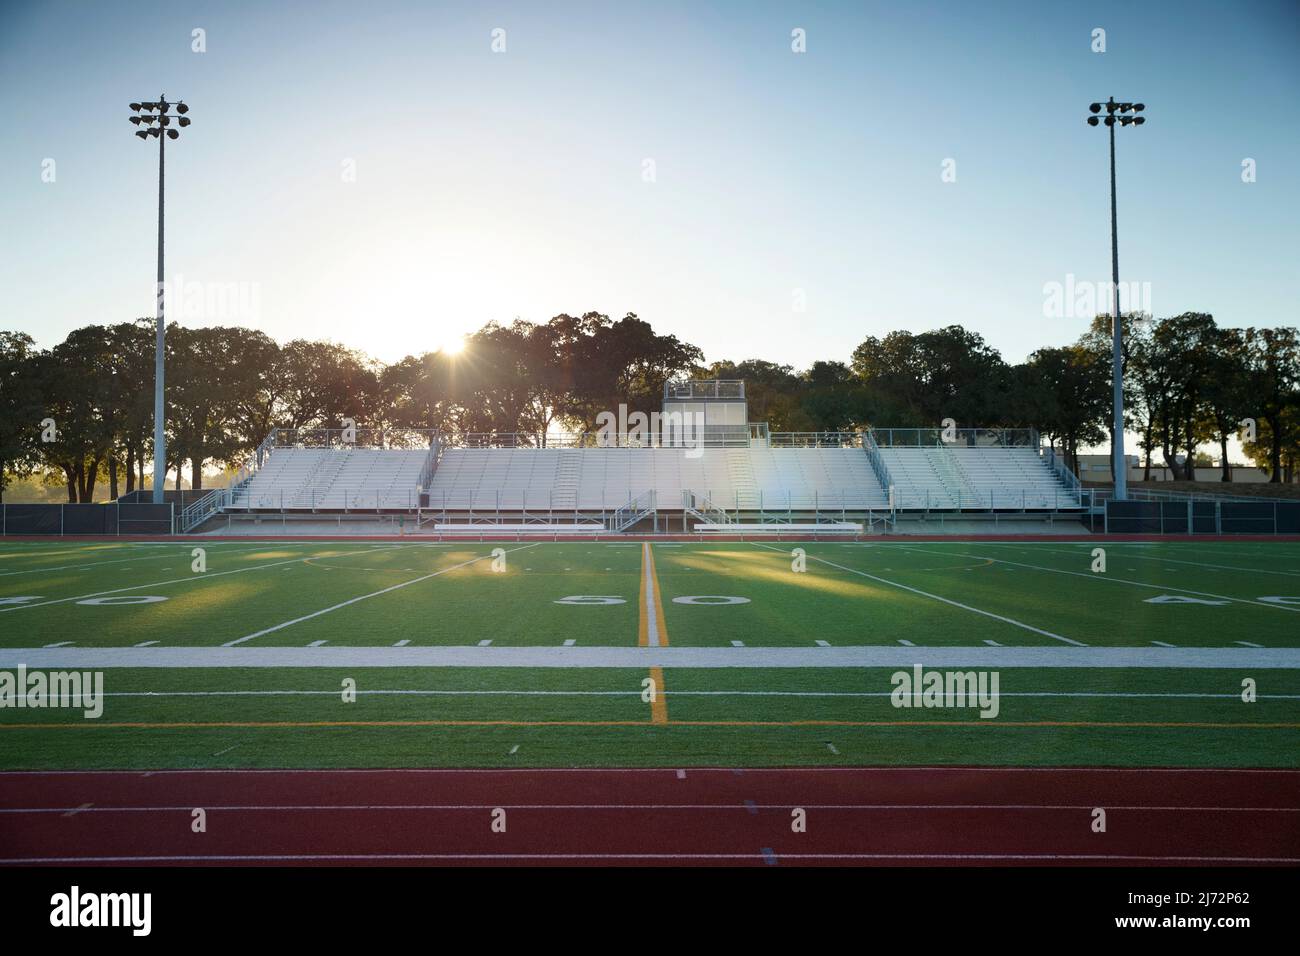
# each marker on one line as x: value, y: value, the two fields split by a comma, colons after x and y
x: 411, y: 654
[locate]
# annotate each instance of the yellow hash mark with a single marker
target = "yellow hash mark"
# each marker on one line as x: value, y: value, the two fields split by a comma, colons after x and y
x: 658, y: 706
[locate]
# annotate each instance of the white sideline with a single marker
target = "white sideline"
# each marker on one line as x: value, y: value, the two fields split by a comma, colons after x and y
x: 936, y: 597
x: 410, y: 692
x: 894, y: 656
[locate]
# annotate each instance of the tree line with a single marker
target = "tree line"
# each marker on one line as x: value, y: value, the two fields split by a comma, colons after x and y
x: 82, y: 411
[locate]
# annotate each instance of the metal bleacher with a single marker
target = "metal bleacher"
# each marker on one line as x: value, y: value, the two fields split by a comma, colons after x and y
x: 599, y: 479
x: 958, y: 477
x: 337, y: 478
x: 557, y: 481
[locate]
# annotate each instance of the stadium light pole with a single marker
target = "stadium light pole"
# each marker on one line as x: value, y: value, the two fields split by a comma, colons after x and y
x: 157, y: 120
x: 1117, y: 114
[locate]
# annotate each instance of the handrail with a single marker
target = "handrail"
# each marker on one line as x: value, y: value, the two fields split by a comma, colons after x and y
x: 200, y: 510
x: 878, y: 465
x: 430, y: 463
x: 632, y: 512
x: 698, y: 504
x: 1058, y: 466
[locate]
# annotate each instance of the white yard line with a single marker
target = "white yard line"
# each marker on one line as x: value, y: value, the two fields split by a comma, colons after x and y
x: 936, y: 597
x: 363, y: 597
x: 1111, y: 578
x: 191, y: 579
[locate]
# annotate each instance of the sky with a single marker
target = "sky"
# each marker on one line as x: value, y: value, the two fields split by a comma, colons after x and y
x: 379, y: 175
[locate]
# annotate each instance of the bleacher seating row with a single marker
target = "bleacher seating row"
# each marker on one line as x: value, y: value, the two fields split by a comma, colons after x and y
x: 754, y: 479
x: 958, y: 477
x: 334, y: 479
x: 596, y: 479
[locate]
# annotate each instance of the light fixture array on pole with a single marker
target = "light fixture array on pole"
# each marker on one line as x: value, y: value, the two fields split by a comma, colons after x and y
x: 157, y: 120
x: 1117, y: 114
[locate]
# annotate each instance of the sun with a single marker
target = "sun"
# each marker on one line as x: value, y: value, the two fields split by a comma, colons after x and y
x: 453, y: 346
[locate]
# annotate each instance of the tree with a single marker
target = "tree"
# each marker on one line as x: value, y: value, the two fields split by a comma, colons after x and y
x: 21, y: 406
x: 923, y: 378
x: 206, y: 416
x: 1098, y: 341
x: 321, y: 383
x: 1273, y: 384
x: 1066, y: 397
x: 831, y: 398
x: 1224, y: 394
x: 131, y: 398
x: 76, y: 378
x: 772, y: 392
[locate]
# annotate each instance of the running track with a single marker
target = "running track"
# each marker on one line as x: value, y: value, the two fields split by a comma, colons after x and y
x: 881, y: 816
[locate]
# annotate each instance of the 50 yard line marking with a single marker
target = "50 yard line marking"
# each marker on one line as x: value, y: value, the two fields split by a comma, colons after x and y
x: 651, y: 630
x: 341, y: 604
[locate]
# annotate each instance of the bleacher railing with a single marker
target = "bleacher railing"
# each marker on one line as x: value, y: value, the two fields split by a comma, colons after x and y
x: 928, y: 500
x: 430, y: 464
x: 969, y: 437
x: 394, y: 438
x: 815, y: 439
x: 878, y: 465
x: 1061, y: 470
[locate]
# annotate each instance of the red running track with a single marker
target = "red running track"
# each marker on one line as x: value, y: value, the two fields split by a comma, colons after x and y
x: 854, y: 816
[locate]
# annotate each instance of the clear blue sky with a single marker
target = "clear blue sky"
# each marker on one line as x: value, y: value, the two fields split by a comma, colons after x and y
x: 490, y: 186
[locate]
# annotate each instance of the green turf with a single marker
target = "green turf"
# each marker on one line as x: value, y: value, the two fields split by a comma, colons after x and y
x: 928, y: 594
